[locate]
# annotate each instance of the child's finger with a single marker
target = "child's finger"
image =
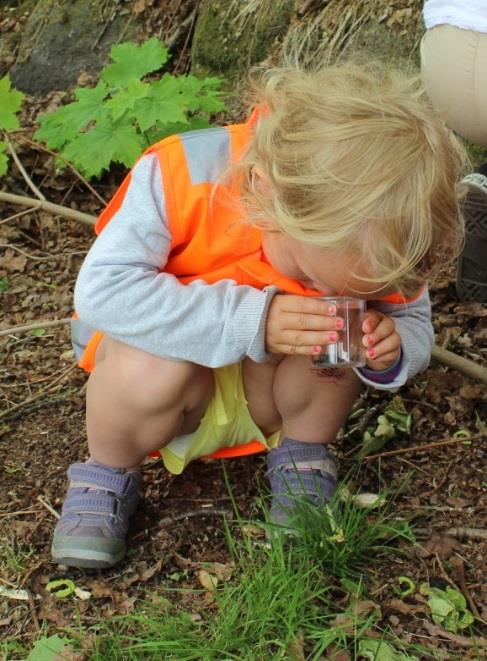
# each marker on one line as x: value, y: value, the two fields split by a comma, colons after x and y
x: 310, y: 322
x: 390, y: 344
x: 372, y: 319
x: 309, y: 342
x: 385, y: 328
x: 305, y: 305
x: 384, y: 362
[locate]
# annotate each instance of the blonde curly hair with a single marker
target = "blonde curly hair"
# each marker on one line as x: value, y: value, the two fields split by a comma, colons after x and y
x: 354, y: 157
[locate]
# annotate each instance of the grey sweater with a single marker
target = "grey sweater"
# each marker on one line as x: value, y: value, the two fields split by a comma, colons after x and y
x: 121, y: 291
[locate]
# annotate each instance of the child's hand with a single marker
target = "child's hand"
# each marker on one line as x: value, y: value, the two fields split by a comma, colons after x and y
x: 300, y: 325
x: 381, y: 339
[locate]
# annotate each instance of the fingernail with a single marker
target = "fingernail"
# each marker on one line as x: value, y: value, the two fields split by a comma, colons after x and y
x: 369, y: 340
x: 332, y: 309
x: 316, y: 349
x: 371, y: 353
x: 339, y: 323
x: 333, y: 337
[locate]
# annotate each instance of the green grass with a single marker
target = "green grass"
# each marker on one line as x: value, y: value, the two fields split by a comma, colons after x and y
x: 284, y: 601
x: 343, y: 538
x: 13, y: 557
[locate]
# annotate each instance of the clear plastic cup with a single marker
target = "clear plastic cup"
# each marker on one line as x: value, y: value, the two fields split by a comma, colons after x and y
x: 348, y: 351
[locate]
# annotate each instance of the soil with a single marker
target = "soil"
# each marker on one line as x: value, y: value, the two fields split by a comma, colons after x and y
x: 42, y: 432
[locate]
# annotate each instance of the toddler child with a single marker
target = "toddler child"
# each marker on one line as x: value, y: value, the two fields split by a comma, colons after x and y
x: 198, y: 306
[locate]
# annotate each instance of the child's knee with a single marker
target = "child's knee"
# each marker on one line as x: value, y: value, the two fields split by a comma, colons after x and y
x: 151, y: 379
x: 299, y: 387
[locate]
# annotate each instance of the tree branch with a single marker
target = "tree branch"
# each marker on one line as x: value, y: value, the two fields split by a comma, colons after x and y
x: 55, y: 209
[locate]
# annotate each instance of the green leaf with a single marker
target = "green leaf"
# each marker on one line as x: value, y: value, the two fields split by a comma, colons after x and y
x: 396, y: 411
x: 64, y: 124
x: 126, y: 99
x: 134, y: 62
x: 47, y: 649
x: 379, y: 650
x: 10, y: 102
x: 448, y: 607
x: 3, y: 159
x: 4, y: 284
x: 202, y: 93
x: 61, y: 587
x: 94, y: 150
x: 164, y: 103
x: 37, y: 332
x: 410, y: 586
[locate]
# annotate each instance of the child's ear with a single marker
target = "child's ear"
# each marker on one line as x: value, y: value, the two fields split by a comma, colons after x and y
x: 267, y: 225
x: 261, y: 182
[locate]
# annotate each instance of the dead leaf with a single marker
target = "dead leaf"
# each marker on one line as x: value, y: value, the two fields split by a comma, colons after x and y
x: 208, y: 581
x: 295, y: 648
x: 68, y: 654
x: 332, y: 652
x: 250, y: 530
x: 402, y: 607
x: 13, y: 262
x: 221, y: 571
x: 442, y: 545
x: 140, y: 6
x: 149, y: 573
x: 100, y: 591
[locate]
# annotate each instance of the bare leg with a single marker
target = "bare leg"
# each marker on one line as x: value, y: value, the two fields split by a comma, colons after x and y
x: 137, y: 403
x: 314, y: 404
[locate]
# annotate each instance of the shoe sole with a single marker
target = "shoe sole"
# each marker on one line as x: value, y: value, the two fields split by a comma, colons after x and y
x: 471, y: 283
x: 70, y: 552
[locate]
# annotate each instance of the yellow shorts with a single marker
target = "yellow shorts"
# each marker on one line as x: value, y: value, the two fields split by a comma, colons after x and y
x: 226, y: 423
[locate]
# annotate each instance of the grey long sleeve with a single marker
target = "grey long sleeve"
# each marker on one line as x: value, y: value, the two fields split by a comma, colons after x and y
x: 121, y: 292
x: 413, y: 323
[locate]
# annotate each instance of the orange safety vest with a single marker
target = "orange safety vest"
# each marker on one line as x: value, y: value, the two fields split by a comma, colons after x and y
x: 210, y: 238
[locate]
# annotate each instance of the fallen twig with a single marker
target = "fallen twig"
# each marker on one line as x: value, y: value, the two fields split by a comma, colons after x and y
x: 463, y: 365
x: 426, y: 446
x: 209, y: 511
x: 475, y: 534
x: 48, y: 507
x: 37, y: 324
x: 461, y: 641
x: 68, y: 164
x: 56, y: 209
x: 34, y: 398
x: 459, y: 568
x: 21, y: 168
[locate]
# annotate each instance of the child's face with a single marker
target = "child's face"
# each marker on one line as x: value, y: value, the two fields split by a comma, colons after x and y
x: 323, y: 269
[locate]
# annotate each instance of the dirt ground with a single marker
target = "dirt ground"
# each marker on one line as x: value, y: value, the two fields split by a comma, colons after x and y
x: 42, y: 432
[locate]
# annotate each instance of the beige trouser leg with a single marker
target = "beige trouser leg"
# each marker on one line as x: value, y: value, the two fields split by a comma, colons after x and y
x: 454, y: 71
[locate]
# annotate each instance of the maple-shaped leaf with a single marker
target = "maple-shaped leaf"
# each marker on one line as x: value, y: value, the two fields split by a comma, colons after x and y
x: 65, y: 123
x: 134, y: 62
x: 3, y: 159
x: 93, y: 151
x: 202, y: 93
x: 164, y: 103
x: 10, y: 102
x: 125, y: 99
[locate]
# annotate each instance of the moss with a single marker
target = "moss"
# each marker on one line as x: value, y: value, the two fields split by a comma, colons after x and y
x: 231, y: 36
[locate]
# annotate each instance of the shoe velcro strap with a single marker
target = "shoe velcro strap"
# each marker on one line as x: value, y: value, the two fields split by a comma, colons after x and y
x: 92, y: 475
x: 298, y: 456
x: 91, y: 503
x: 323, y: 465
